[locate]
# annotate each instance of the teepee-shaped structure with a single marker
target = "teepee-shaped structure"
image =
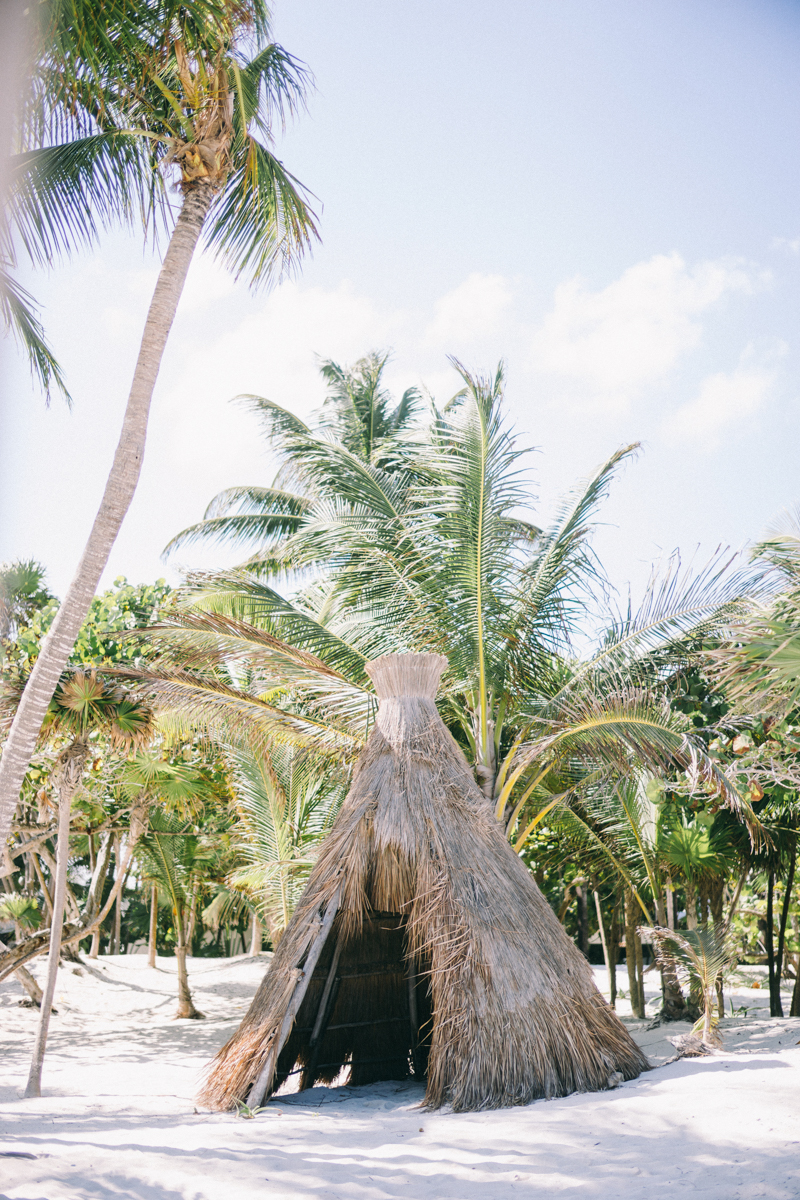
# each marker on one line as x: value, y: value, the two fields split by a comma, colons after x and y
x: 422, y: 944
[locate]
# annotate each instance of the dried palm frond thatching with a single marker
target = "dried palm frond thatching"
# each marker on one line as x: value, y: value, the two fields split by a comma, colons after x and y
x: 422, y: 944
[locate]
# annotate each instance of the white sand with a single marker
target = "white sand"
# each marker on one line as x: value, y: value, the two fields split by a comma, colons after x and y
x: 117, y: 1118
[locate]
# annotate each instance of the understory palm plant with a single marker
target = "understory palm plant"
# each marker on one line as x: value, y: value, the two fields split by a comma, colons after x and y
x: 286, y: 802
x: 173, y: 857
x: 702, y: 956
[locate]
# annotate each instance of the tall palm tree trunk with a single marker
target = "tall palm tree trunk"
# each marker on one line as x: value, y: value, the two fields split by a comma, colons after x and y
x: 119, y: 492
x: 69, y: 769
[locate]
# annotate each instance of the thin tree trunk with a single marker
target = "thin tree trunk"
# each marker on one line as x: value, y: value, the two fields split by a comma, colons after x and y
x: 186, y: 1008
x: 48, y: 901
x: 631, y: 940
x: 670, y: 904
x: 794, y: 1011
x: 117, y: 927
x: 787, y: 899
x: 583, y: 920
x: 151, y: 942
x: 69, y: 769
x: 637, y: 945
x: 717, y: 900
x: 614, y: 949
x: 192, y: 922
x: 256, y: 935
x: 602, y: 931
x: 691, y: 905
x: 735, y: 899
x: 119, y: 491
x: 775, y: 1006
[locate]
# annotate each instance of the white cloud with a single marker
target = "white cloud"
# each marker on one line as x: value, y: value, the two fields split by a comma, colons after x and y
x: 606, y: 346
x: 726, y: 398
x: 790, y: 245
x: 474, y: 310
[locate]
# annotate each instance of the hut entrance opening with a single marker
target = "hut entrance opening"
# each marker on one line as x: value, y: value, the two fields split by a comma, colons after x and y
x: 367, y: 1008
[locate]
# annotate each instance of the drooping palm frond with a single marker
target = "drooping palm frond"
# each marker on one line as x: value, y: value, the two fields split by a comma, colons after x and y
x: 189, y: 704
x: 629, y: 729
x: 262, y: 223
x: 21, y: 319
x: 61, y: 196
x: 681, y: 610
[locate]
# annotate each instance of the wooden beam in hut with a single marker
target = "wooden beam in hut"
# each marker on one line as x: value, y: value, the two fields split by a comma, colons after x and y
x: 413, y: 1016
x: 327, y: 1001
x: 267, y: 1073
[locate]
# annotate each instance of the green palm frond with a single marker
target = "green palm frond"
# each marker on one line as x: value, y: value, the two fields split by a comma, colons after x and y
x: 262, y: 223
x: 691, y: 850
x: 359, y: 411
x: 256, y: 616
x: 564, y: 569
x: 62, y: 196
x: 681, y: 609
x: 22, y: 910
x: 265, y: 516
x: 21, y: 319
x: 286, y: 803
x: 701, y: 955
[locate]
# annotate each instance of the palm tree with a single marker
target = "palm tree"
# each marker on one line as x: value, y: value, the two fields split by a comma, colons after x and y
x: 197, y: 107
x: 433, y: 552
x: 70, y: 52
x: 173, y: 858
x: 704, y: 955
x: 358, y: 413
x: 22, y: 593
x: 82, y: 703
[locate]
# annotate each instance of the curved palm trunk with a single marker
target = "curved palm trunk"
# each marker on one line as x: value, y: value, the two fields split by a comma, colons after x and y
x: 68, y: 775
x: 119, y: 492
x: 186, y: 1008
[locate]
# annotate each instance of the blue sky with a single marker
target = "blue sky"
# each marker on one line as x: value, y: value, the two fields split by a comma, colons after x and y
x: 607, y: 195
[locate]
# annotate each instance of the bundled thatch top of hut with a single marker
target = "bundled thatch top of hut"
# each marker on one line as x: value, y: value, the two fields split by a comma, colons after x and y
x: 422, y: 944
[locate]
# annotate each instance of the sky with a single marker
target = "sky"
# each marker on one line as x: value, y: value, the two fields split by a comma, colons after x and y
x: 604, y: 195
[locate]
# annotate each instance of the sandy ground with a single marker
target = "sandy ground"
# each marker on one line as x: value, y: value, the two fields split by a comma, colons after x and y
x: 118, y: 1119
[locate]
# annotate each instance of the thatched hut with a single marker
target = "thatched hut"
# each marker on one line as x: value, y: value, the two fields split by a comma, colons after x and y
x: 421, y: 944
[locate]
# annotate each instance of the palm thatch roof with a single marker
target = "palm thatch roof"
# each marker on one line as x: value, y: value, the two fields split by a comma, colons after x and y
x: 422, y: 944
